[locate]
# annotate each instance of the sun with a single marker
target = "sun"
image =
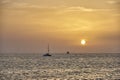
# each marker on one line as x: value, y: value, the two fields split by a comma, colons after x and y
x: 83, y: 41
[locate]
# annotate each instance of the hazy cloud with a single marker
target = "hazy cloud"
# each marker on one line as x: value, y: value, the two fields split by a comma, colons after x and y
x: 112, y: 2
x: 28, y: 25
x: 79, y: 9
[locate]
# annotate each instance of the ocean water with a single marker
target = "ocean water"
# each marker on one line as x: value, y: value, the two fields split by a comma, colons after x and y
x: 60, y: 67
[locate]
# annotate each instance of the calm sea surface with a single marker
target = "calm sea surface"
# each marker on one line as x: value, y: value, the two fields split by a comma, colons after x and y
x: 60, y: 67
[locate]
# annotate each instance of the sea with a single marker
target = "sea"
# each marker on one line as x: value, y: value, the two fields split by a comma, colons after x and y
x: 74, y: 66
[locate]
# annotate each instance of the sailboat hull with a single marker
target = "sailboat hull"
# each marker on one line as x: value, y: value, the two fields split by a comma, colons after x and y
x: 47, y: 54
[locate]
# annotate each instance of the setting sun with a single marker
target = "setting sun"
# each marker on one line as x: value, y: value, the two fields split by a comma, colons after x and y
x: 83, y: 42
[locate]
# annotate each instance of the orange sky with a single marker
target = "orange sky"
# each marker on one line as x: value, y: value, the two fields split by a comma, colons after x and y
x: 28, y: 26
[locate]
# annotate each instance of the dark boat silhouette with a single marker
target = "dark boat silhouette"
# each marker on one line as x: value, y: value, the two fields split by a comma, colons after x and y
x: 47, y: 54
x: 68, y: 52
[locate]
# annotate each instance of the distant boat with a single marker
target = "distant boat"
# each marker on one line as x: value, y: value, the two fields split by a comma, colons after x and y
x: 47, y: 54
x: 68, y: 52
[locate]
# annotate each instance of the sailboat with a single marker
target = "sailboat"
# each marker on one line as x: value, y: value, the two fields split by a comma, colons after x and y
x: 47, y: 54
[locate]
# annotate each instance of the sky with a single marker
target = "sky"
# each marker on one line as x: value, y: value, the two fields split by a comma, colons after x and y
x: 28, y: 26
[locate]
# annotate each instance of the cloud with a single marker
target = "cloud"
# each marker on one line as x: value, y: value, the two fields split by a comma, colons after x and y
x: 8, y: 4
x: 84, y: 9
x: 70, y: 7
x: 111, y: 2
x: 80, y: 9
x: 5, y: 1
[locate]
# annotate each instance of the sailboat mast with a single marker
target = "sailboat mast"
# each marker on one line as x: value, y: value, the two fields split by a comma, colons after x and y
x: 48, y: 48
